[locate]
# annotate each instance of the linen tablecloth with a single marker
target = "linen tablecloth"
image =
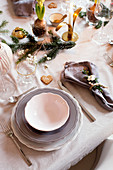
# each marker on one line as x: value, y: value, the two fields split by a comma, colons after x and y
x: 91, y: 134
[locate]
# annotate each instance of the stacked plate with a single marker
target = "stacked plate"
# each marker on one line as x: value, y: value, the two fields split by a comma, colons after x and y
x: 46, y: 119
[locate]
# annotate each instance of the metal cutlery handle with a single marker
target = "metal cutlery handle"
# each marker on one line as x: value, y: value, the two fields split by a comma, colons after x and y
x: 87, y: 112
x: 92, y: 118
x: 27, y: 91
x: 20, y: 150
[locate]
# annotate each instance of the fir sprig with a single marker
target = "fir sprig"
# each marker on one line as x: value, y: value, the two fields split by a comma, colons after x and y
x: 1, y: 12
x: 32, y: 45
x: 14, y: 39
x: 51, y: 55
x: 3, y: 24
x: 4, y: 31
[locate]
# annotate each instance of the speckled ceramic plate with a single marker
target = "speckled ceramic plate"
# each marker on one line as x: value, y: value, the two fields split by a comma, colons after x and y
x: 52, y: 136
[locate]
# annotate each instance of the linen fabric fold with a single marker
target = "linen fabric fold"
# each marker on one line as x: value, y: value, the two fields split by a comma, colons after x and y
x: 23, y: 7
x: 85, y: 74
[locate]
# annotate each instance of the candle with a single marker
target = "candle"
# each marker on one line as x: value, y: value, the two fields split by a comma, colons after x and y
x: 70, y: 12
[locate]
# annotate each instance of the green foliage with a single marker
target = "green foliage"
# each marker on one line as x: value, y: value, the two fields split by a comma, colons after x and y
x: 3, y: 24
x: 14, y: 39
x: 40, y: 10
x: 85, y: 72
x: 53, y: 47
x: 82, y: 14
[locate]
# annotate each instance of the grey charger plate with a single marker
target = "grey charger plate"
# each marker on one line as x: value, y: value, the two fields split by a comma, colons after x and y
x: 46, y: 137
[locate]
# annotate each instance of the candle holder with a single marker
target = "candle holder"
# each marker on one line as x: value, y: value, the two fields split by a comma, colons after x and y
x: 70, y: 35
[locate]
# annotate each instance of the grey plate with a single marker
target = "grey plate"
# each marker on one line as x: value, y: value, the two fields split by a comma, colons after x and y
x: 51, y: 136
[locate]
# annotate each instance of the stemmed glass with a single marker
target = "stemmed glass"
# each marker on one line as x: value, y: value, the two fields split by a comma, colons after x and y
x: 103, y: 14
x: 26, y: 72
x: 65, y: 5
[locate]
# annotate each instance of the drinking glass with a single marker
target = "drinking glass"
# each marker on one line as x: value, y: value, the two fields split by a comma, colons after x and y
x: 7, y: 87
x: 65, y: 5
x: 102, y: 13
x: 26, y: 72
x: 90, y: 17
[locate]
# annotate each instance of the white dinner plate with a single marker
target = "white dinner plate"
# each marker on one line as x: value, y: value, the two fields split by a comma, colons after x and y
x: 46, y: 111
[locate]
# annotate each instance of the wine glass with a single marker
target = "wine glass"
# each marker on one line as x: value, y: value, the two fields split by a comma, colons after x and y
x: 26, y: 72
x: 65, y: 5
x: 102, y: 13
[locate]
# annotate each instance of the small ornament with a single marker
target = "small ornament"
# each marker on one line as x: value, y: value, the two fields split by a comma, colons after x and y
x: 46, y: 79
x: 19, y: 33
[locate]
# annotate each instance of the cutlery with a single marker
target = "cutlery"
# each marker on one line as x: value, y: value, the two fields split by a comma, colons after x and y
x: 14, y: 99
x: 90, y: 116
x: 108, y: 59
x: 111, y: 64
x: 110, y: 42
x: 9, y: 132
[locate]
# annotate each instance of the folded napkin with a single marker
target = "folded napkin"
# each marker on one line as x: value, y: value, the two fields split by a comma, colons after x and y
x: 23, y: 7
x: 85, y: 74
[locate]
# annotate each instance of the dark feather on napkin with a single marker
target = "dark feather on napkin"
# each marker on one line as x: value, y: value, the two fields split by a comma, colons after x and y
x: 81, y: 74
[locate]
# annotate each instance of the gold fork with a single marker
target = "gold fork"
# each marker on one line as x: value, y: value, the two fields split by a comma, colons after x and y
x: 9, y: 132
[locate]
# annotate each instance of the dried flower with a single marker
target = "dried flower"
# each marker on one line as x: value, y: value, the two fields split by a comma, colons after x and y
x: 91, y: 78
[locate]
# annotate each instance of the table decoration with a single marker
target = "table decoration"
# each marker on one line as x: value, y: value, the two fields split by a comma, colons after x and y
x: 85, y: 74
x: 52, y: 5
x: 46, y: 79
x: 39, y: 26
x: 70, y: 35
x: 19, y: 33
x: 31, y: 46
x: 2, y: 25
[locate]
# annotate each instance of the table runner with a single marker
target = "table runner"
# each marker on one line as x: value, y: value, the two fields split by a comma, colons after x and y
x: 92, y: 134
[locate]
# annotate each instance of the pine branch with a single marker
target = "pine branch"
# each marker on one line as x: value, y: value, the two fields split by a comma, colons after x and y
x: 1, y: 12
x: 51, y: 55
x: 14, y: 39
x: 32, y: 45
x: 3, y: 24
x: 4, y: 31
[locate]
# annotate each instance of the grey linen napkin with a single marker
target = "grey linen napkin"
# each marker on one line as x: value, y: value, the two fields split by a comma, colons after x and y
x: 23, y: 7
x: 81, y: 74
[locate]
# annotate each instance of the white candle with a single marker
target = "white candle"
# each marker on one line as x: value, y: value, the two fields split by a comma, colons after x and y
x: 70, y: 12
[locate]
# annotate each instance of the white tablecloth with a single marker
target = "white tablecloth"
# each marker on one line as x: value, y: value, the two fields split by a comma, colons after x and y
x: 91, y: 134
